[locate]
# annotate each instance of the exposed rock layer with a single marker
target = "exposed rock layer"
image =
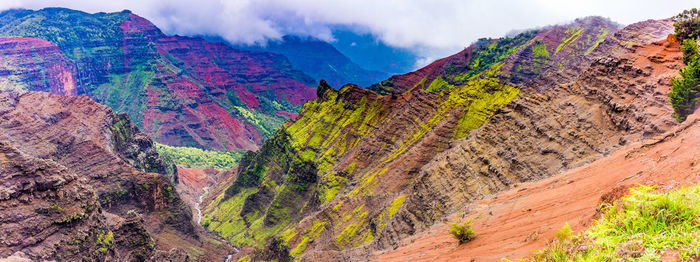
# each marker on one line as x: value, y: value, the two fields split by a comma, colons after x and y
x: 75, y: 188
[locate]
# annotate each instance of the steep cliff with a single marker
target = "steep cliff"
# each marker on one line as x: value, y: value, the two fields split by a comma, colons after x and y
x: 80, y: 182
x: 182, y: 91
x: 29, y: 63
x: 499, y: 113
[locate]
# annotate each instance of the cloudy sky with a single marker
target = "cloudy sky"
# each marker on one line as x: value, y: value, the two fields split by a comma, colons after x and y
x: 440, y: 26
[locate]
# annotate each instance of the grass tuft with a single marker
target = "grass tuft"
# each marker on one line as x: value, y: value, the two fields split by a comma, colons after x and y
x: 639, y: 228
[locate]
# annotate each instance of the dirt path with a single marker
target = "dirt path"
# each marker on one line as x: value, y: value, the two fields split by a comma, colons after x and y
x: 514, y: 223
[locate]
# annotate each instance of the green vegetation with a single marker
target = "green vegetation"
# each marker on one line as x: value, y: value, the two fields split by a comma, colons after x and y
x: 690, y: 50
x: 685, y: 91
x: 104, y: 241
x: 309, y: 235
x: 687, y: 24
x: 539, y: 49
x: 485, y: 55
x: 599, y: 39
x: 272, y: 189
x: 463, y: 231
x: 56, y: 207
x: 573, y: 34
x: 564, y: 233
x: 198, y: 158
x: 639, y: 228
x: 480, y: 99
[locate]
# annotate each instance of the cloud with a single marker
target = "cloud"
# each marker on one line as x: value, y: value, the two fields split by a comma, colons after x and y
x: 443, y: 25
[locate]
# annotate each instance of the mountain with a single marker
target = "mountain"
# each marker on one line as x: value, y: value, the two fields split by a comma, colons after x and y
x: 362, y: 169
x: 320, y: 60
x: 372, y: 53
x: 80, y: 182
x: 182, y: 91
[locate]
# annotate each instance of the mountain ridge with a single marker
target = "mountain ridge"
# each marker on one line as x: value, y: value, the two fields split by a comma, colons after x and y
x: 370, y: 147
x: 183, y: 91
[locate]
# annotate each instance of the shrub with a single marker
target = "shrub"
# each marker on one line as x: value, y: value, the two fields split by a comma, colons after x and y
x: 690, y: 50
x: 685, y: 90
x: 463, y: 231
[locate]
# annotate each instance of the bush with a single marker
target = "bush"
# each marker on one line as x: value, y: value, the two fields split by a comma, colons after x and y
x: 690, y: 50
x: 685, y: 90
x: 463, y: 231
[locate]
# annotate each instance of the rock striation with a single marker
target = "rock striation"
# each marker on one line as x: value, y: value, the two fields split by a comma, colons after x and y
x: 82, y: 183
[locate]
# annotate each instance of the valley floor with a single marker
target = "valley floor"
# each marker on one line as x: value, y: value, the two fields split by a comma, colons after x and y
x: 514, y: 223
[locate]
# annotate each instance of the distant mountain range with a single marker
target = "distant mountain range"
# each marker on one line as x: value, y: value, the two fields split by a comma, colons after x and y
x: 371, y: 53
x: 320, y: 60
x: 183, y: 91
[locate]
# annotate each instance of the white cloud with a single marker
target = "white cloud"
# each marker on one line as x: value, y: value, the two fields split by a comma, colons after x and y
x: 444, y: 25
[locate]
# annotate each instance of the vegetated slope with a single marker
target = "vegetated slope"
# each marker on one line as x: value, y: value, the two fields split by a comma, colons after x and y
x: 513, y: 223
x: 557, y: 54
x: 321, y: 60
x: 29, y: 63
x: 183, y: 91
x: 360, y: 166
x: 82, y: 183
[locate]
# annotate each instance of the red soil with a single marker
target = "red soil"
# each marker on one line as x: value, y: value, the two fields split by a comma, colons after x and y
x: 516, y: 222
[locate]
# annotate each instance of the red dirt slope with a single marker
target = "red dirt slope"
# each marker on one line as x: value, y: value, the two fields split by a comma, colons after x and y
x: 514, y: 223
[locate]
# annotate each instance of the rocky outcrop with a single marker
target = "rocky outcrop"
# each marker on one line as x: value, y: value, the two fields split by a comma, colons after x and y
x: 86, y: 187
x: 182, y: 91
x: 47, y: 211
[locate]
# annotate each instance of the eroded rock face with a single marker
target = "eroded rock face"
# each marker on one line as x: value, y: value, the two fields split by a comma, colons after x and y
x: 617, y: 100
x: 389, y: 166
x: 75, y: 184
x: 47, y: 210
x: 35, y: 64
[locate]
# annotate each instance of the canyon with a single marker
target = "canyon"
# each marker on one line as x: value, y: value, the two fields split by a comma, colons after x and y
x: 523, y: 134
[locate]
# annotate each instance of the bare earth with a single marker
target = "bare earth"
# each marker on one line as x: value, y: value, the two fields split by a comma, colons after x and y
x: 516, y: 222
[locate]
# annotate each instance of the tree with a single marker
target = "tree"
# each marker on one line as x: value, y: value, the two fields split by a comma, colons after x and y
x: 687, y: 24
x: 690, y: 50
x: 686, y: 89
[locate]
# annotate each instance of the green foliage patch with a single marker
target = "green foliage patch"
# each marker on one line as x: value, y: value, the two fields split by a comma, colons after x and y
x: 198, y: 158
x: 463, y: 231
x: 685, y: 91
x: 639, y: 228
x: 687, y: 24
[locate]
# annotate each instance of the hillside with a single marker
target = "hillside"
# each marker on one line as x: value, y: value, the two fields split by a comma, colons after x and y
x: 182, y: 91
x: 513, y: 223
x: 321, y: 60
x: 361, y: 169
x: 80, y: 182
